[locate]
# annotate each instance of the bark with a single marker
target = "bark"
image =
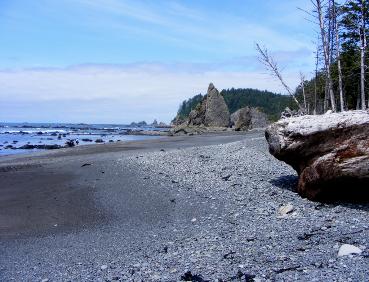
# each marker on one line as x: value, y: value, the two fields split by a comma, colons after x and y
x: 362, y: 56
x: 326, y: 52
x: 315, y: 81
x: 340, y: 84
x: 303, y: 90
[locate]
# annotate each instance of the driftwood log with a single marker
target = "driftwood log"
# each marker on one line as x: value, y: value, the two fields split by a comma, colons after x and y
x: 330, y: 153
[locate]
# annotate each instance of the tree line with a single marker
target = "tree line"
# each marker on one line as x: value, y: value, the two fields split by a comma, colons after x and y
x: 270, y: 103
x: 340, y: 80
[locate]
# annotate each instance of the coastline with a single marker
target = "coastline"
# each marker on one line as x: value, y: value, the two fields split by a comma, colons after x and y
x: 154, y: 210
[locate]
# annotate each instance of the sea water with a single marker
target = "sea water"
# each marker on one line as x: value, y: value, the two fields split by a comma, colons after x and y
x: 15, y: 135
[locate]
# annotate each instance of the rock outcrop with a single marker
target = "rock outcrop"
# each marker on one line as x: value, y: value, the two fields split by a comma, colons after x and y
x: 216, y: 113
x: 211, y: 112
x: 241, y: 119
x: 197, y: 115
x: 138, y: 124
x: 154, y: 123
x: 248, y: 118
x: 178, y: 120
x: 329, y: 152
x: 258, y: 119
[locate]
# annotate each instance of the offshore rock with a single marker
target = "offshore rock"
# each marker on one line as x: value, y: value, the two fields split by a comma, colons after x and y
x: 216, y: 113
x: 211, y: 112
x: 258, y: 119
x: 241, y: 119
x: 329, y: 152
x: 248, y: 118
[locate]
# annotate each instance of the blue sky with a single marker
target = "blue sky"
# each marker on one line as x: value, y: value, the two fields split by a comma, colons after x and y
x: 124, y: 60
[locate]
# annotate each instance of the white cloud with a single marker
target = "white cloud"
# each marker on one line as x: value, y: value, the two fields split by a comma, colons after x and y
x: 121, y: 94
x: 213, y: 31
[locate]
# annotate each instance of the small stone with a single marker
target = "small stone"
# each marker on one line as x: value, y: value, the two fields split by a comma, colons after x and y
x: 193, y: 220
x: 45, y: 280
x: 103, y: 267
x: 347, y: 249
x: 286, y: 209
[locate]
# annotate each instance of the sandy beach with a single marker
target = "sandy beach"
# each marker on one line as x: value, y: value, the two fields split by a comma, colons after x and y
x: 157, y: 210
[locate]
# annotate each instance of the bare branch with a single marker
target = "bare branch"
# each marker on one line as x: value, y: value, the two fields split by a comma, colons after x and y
x: 272, y: 66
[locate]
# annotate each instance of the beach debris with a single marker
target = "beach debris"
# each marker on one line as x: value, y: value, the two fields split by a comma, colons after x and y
x: 329, y: 152
x: 281, y: 270
x: 103, y: 267
x: 284, y: 210
x: 188, y: 276
x: 193, y: 220
x: 229, y: 255
x: 86, y: 164
x: 347, y: 249
x: 241, y: 276
x: 226, y: 178
x: 99, y: 140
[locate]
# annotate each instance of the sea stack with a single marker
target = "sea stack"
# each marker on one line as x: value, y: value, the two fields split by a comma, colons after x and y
x: 217, y: 113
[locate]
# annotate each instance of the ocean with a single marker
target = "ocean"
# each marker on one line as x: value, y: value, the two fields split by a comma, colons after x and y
x: 18, y: 138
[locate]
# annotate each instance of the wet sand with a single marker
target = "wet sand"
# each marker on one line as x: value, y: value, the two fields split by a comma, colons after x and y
x: 47, y: 192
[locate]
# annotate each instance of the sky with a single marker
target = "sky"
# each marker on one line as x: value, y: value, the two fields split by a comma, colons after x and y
x: 118, y: 61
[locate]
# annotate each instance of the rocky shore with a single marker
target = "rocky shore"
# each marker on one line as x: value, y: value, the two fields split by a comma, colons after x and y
x: 192, y: 208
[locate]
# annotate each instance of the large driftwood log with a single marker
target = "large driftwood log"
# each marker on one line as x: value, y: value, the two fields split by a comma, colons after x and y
x: 329, y: 152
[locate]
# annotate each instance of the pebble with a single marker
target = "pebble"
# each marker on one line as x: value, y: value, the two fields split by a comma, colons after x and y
x: 283, y: 211
x: 347, y: 249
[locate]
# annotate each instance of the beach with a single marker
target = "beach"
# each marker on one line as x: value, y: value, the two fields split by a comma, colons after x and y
x: 203, y: 207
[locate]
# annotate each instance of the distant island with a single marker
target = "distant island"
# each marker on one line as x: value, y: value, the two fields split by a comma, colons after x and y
x: 270, y: 103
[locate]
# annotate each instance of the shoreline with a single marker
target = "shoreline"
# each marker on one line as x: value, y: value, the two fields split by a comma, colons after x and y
x: 155, y: 210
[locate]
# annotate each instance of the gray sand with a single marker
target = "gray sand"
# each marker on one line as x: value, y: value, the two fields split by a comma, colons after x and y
x: 155, y: 210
